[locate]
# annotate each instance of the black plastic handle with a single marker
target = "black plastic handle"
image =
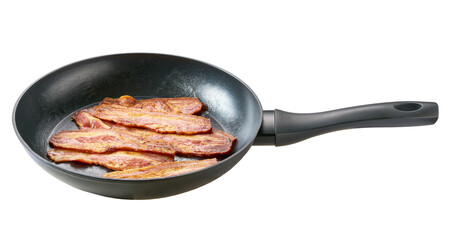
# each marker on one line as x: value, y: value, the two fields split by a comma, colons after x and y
x: 282, y: 128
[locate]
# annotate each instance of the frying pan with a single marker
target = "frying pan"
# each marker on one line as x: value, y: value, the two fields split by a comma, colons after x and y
x: 47, y: 105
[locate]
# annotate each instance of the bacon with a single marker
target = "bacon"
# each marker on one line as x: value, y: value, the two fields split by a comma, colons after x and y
x: 185, y: 105
x: 162, y: 170
x: 211, y: 144
x: 156, y: 121
x: 119, y: 160
x: 106, y: 140
x: 85, y: 120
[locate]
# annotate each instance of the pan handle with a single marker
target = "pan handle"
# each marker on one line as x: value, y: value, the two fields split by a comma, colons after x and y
x: 282, y: 128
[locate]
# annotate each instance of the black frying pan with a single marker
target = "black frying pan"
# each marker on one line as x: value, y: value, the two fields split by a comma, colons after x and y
x: 47, y: 105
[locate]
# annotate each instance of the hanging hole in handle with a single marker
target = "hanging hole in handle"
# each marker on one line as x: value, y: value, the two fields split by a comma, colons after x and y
x: 408, y: 107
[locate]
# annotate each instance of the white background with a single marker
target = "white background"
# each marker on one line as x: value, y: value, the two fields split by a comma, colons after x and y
x: 299, y: 56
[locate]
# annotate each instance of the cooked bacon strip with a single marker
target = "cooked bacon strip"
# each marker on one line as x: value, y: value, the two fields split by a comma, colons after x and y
x: 85, y: 120
x: 211, y: 144
x: 162, y: 170
x: 156, y: 121
x: 186, y: 105
x: 106, y: 140
x: 119, y: 160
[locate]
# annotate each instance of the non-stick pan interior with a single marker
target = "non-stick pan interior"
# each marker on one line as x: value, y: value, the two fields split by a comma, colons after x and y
x: 49, y: 103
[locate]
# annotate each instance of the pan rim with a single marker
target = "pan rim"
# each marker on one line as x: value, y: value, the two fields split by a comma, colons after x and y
x: 42, y: 160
